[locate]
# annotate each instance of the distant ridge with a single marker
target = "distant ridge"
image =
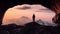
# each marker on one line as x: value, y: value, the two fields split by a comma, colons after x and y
x: 45, y: 23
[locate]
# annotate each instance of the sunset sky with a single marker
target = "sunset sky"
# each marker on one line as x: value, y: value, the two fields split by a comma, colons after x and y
x: 22, y: 14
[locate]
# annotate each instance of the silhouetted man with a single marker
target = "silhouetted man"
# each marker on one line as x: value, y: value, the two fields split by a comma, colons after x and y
x: 33, y: 17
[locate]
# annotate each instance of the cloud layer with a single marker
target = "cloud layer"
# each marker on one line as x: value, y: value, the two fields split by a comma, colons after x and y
x: 14, y: 14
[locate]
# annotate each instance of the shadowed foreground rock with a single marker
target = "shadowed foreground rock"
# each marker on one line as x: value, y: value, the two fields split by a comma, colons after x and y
x: 35, y: 28
x: 29, y: 28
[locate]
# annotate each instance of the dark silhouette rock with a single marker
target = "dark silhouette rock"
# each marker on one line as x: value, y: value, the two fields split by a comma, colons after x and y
x: 35, y: 28
x: 4, y: 32
x: 56, y: 19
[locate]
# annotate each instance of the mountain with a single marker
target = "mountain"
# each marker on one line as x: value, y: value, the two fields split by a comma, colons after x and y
x: 18, y: 21
x: 45, y: 23
x: 24, y: 17
x: 24, y: 20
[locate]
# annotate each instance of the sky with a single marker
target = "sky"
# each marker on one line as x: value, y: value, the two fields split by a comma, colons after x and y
x: 22, y: 14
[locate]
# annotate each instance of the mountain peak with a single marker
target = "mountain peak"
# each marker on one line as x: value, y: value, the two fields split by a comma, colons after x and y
x: 45, y: 23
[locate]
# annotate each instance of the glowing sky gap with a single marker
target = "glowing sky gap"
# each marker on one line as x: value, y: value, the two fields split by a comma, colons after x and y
x: 14, y: 14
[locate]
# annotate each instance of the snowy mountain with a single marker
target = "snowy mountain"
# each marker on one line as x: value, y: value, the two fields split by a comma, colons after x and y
x: 45, y: 23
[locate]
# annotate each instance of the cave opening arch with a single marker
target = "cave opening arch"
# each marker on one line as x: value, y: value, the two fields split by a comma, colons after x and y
x: 8, y: 4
